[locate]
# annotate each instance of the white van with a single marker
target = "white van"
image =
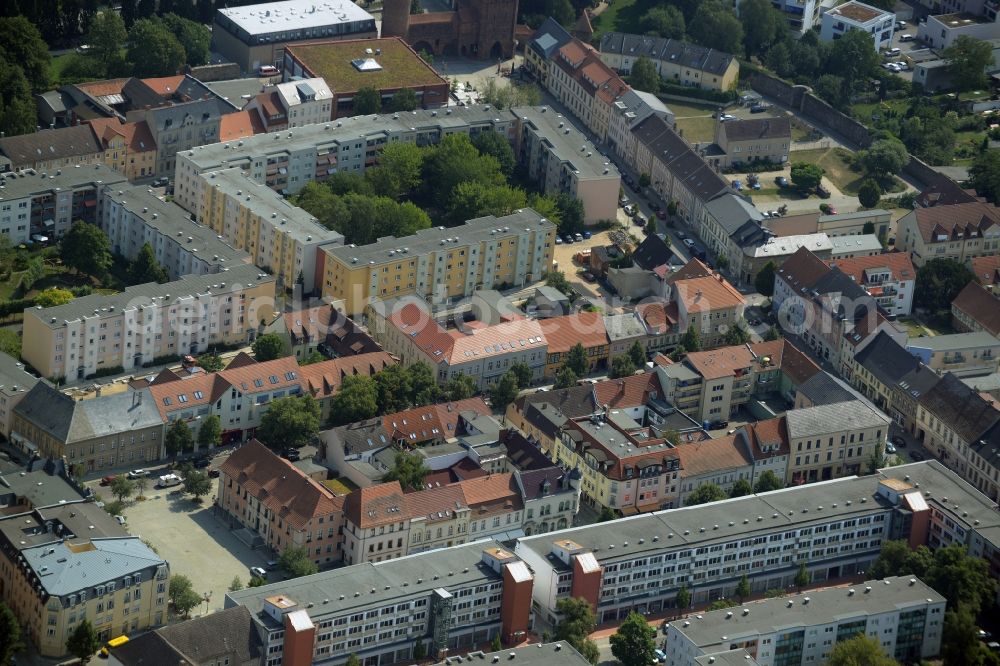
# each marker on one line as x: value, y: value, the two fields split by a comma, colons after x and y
x: 169, y: 481
x: 268, y: 70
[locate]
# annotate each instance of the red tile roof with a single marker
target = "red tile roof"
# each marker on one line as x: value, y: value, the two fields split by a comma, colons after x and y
x: 279, y: 485
x: 899, y: 264
x: 103, y: 88
x: 692, y: 269
x: 138, y: 137
x: 706, y: 294
x: 586, y: 328
x: 628, y: 391
x: 769, y: 438
x: 165, y: 86
x: 802, y: 269
x: 239, y: 125
x: 376, y: 505
x: 980, y: 305
x: 439, y: 421
x: 712, y: 455
x: 955, y: 222
x: 323, y: 379
x: 987, y: 269
x: 660, y: 317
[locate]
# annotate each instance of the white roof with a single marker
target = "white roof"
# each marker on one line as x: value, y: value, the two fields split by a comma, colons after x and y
x: 290, y: 91
x: 294, y: 15
x: 779, y: 246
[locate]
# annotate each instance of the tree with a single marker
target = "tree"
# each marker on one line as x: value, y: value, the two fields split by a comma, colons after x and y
x: 460, y: 387
x: 743, y: 588
x: 667, y: 21
x: 504, y: 391
x: 967, y: 60
x: 523, y: 374
x: 495, y: 144
x: 398, y: 170
x: 741, y: 488
x: 557, y: 280
x: 290, y: 422
x: 565, y: 377
x: 23, y: 45
x: 571, y: 213
x: 256, y: 581
x: 644, y: 75
x: 10, y: 634
x: 869, y: 194
x: 392, y: 385
x: 424, y: 389
x: 883, y: 157
x: 683, y: 599
x: 197, y: 483
x: 409, y: 470
x: 984, y: 175
x: 53, y: 296
x: 419, y: 650
x: 691, y: 340
x: 107, y: 37
x: 763, y: 25
x: 145, y: 268
x: 83, y: 642
x: 576, y: 360
x: 210, y: 432
x: 210, y: 362
x: 236, y: 585
x: 960, y: 578
x: 473, y: 199
x: 10, y: 343
x: 715, y: 25
x: 861, y: 650
x: 960, y: 644
x: 122, y: 487
x: 367, y: 101
x: 34, y: 271
x: 17, y: 109
x: 807, y: 176
x: 269, y: 346
x: 178, y: 438
x: 637, y: 354
x: 854, y: 58
x: 182, y: 595
x: 153, y: 50
x: 357, y: 400
x: 607, y: 513
x: 767, y: 482
x: 771, y: 334
x: 576, y: 624
x: 705, y: 493
x: 295, y: 562
x: 802, y: 577
x: 938, y: 283
x: 193, y: 36
x: 622, y: 366
x: 456, y: 160
x: 764, y: 282
x: 736, y: 335
x: 634, y: 644
x: 897, y: 558
x: 86, y: 249
x: 404, y: 100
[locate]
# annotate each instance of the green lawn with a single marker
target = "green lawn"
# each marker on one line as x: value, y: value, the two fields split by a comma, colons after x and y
x: 694, y: 120
x: 837, y: 163
x: 621, y: 16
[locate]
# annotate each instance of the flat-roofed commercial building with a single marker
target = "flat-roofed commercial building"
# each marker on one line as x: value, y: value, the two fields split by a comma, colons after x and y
x: 253, y: 36
x: 147, y: 321
x: 836, y: 529
x: 903, y: 614
x: 450, y: 599
x: 48, y: 203
x: 284, y: 239
x: 388, y: 65
x: 134, y: 216
x: 440, y: 264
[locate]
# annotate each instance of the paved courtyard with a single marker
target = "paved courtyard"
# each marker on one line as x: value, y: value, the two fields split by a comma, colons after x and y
x: 193, y: 540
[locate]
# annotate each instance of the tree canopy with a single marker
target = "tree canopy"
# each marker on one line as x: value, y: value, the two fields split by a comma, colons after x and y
x: 861, y: 650
x: 984, y: 175
x: 292, y: 421
x: 197, y: 483
x: 883, y: 158
x: 763, y: 25
x: 869, y: 193
x: 210, y: 432
x: 764, y: 281
x: 83, y: 642
x: 86, y: 249
x: 367, y: 100
x: 634, y: 644
x: 705, y: 493
x: 53, y: 296
x: 938, y: 283
x: 715, y: 25
x: 295, y: 562
x: 565, y: 377
x: 107, y: 37
x: 644, y: 75
x: 404, y: 99
x: 356, y: 400
x: 741, y: 488
x: 10, y: 634
x: 806, y: 175
x: 664, y: 21
x: 145, y: 268
x: 968, y: 59
x: 182, y: 595
x: 270, y: 346
x: 122, y: 487
x: 409, y: 470
x: 178, y: 437
x: 622, y: 366
x: 504, y: 391
x: 767, y: 482
x: 153, y: 49
x: 576, y: 625
x: 24, y: 47
x: 576, y: 360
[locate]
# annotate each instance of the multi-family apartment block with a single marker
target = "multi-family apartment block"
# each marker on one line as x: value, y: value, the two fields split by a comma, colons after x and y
x: 739, y: 142
x: 304, y: 101
x: 49, y: 202
x: 834, y: 440
x: 146, y: 322
x: 133, y: 216
x: 129, y: 147
x: 627, y: 112
x: 903, y: 614
x: 961, y: 354
x: 441, y: 264
x: 72, y: 562
x: 959, y: 231
x: 680, y: 63
x: 854, y: 15
x: 52, y: 149
x: 103, y: 433
x: 706, y: 302
x: 281, y: 238
x: 836, y: 529
x: 563, y: 333
x: 888, y: 278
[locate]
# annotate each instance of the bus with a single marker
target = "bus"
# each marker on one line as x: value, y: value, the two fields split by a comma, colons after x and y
x: 113, y: 643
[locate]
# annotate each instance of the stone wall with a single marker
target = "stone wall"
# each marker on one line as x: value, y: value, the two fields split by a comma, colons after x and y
x: 222, y: 72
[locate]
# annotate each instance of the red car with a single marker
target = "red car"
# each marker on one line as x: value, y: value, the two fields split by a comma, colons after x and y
x: 106, y: 481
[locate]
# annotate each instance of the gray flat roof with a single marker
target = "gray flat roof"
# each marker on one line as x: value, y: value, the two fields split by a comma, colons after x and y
x: 537, y: 654
x: 989, y: 382
x: 833, y: 418
x: 83, y: 519
x: 339, y: 591
x: 566, y: 143
x: 294, y: 15
x: 17, y: 186
x: 862, y: 243
x: 953, y: 341
x: 817, y: 607
x: 108, y: 305
x: 390, y: 249
x: 40, y: 487
x: 781, y: 245
x: 271, y: 206
x: 75, y: 566
x: 175, y: 223
x: 13, y: 377
x: 343, y: 130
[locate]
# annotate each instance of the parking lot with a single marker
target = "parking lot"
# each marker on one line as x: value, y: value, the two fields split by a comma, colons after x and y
x: 191, y: 538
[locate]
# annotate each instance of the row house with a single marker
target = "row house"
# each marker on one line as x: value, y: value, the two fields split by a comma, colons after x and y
x: 585, y: 85
x: 129, y: 147
x: 676, y: 61
x: 960, y: 231
x: 976, y: 308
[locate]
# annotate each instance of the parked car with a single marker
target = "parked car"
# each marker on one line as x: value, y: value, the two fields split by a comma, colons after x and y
x: 681, y: 235
x: 588, y: 276
x: 137, y: 474
x: 161, y: 182
x: 893, y: 52
x: 623, y: 201
x: 898, y: 442
x: 781, y: 181
x: 737, y: 185
x: 214, y: 473
x: 903, y: 65
x: 568, y: 239
x: 906, y: 37
x: 900, y: 25
x: 108, y: 480
x: 586, y: 235
x: 916, y: 456
x: 760, y: 107
x: 578, y: 237
x: 661, y: 656
x: 662, y: 214
x: 822, y: 192
x: 120, y: 519
x: 629, y: 209
x: 258, y: 572
x: 291, y: 454
x: 640, y: 221
x: 889, y: 448
x: 202, y: 463
x: 689, y: 243
x: 558, y: 240
x: 39, y: 238
x: 831, y: 211
x: 755, y: 185
x: 725, y: 117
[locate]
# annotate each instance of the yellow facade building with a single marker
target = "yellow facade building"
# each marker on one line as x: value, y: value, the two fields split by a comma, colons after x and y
x: 441, y: 263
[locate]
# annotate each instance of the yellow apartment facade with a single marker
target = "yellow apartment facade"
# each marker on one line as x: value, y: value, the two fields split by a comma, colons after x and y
x: 440, y: 264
